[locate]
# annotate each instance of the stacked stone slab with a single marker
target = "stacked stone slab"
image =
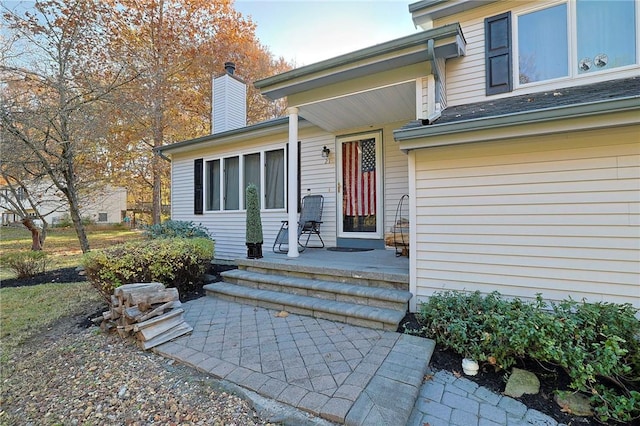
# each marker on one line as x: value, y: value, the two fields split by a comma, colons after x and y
x: 368, y: 299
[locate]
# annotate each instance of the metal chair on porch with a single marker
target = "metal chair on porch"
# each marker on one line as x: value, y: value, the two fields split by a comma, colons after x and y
x: 308, y: 224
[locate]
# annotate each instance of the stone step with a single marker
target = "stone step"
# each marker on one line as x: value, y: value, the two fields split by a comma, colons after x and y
x: 350, y: 313
x: 327, y: 273
x: 331, y: 290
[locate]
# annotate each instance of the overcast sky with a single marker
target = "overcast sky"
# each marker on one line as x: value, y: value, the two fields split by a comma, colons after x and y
x: 308, y: 31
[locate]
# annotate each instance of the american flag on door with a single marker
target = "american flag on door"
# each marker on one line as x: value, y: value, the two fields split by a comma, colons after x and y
x: 359, y: 169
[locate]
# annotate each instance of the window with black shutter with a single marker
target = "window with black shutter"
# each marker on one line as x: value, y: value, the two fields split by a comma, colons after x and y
x: 197, y: 186
x: 498, y: 67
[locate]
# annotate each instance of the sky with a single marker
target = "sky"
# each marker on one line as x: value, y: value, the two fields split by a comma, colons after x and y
x: 309, y: 31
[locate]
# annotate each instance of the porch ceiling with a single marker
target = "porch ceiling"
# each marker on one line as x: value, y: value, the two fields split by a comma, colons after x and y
x: 367, y: 108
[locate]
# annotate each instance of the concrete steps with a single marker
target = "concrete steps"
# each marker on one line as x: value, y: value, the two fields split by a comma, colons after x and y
x: 367, y: 299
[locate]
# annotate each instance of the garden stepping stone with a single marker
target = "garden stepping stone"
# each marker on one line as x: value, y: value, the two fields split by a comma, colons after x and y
x: 574, y: 403
x: 521, y: 382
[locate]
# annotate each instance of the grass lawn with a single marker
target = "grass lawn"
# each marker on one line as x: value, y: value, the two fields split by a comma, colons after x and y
x: 24, y: 310
x: 62, y: 246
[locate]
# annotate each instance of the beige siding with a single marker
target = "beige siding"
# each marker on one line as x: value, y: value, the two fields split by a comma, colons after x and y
x: 559, y: 217
x: 465, y: 76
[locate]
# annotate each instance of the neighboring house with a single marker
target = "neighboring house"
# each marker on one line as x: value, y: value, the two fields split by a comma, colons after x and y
x: 514, y: 126
x: 103, y: 206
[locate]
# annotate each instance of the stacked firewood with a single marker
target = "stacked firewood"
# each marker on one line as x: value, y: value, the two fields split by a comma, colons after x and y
x: 150, y: 312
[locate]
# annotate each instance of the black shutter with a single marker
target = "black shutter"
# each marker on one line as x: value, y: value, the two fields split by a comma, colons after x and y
x: 498, y: 66
x: 197, y: 186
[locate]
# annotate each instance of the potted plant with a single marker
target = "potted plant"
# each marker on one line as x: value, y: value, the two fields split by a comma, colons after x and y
x: 254, y: 224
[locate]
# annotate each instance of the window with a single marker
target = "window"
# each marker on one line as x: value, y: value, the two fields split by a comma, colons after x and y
x: 566, y: 40
x: 227, y: 179
x: 231, y: 183
x: 251, y: 174
x: 213, y: 185
x: 606, y: 34
x: 274, y: 179
x: 543, y: 48
x: 102, y: 217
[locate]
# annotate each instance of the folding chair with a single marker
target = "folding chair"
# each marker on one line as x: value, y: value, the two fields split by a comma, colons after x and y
x: 308, y: 224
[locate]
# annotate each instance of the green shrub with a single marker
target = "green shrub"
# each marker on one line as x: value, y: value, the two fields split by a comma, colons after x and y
x: 175, y: 262
x: 254, y: 224
x: 176, y: 229
x: 598, y: 344
x: 25, y: 263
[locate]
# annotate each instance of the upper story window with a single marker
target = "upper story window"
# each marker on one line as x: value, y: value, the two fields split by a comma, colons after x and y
x: 565, y: 40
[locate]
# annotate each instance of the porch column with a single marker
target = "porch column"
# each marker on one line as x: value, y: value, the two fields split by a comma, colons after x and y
x: 292, y: 201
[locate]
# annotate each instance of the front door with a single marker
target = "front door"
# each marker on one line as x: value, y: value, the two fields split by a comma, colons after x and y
x: 360, y: 186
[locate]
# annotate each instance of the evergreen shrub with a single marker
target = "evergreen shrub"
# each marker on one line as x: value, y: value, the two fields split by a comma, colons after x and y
x: 176, y: 229
x: 597, y: 344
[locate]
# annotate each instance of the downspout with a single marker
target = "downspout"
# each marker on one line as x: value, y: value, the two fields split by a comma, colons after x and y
x: 434, y: 112
x: 161, y: 155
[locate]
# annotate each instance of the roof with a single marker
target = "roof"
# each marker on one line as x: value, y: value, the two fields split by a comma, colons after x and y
x: 613, y: 89
x: 381, y: 57
x: 597, y: 98
x: 259, y: 129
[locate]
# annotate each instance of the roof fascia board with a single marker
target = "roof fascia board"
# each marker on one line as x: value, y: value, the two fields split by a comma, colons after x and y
x: 264, y: 128
x: 564, y: 119
x: 424, y: 12
x: 380, y: 52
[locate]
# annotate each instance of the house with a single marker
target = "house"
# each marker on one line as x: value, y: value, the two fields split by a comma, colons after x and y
x: 513, y: 126
x: 104, y: 206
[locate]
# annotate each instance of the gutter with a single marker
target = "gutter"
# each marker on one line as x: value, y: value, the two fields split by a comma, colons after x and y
x: 429, y: 134
x: 222, y: 137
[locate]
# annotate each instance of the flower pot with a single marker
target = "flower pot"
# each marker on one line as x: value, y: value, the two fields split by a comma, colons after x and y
x: 470, y: 367
x: 254, y: 250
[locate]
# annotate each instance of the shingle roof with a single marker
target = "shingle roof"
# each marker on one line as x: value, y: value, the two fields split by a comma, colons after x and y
x: 608, y: 90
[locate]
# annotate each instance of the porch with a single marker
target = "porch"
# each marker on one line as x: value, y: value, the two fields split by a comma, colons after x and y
x: 365, y: 288
x: 382, y: 262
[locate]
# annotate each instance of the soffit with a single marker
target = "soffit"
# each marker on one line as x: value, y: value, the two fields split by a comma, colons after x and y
x: 364, y: 109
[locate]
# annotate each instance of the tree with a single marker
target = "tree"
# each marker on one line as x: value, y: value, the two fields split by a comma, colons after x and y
x: 50, y: 94
x: 177, y: 46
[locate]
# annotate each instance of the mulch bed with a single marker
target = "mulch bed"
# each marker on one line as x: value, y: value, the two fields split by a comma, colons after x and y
x: 551, y: 378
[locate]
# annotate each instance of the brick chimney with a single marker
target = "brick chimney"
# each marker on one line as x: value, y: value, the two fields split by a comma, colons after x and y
x: 229, y: 101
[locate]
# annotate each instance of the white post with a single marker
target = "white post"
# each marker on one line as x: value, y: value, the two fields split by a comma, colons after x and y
x: 293, y: 182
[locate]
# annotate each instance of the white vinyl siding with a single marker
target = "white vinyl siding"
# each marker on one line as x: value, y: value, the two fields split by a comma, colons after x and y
x: 559, y: 217
x: 226, y: 227
x: 396, y: 177
x: 319, y: 178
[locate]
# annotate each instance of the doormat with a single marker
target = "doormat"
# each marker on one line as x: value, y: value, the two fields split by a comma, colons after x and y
x: 348, y: 249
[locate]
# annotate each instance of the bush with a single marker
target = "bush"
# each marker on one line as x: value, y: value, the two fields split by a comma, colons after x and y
x: 25, y: 263
x: 175, y: 262
x: 176, y: 229
x: 598, y: 345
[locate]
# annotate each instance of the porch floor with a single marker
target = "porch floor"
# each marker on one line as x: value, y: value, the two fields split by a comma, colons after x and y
x: 382, y: 262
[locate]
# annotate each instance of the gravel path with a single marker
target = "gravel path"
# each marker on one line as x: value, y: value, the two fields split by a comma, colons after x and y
x: 70, y: 375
